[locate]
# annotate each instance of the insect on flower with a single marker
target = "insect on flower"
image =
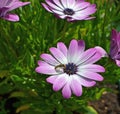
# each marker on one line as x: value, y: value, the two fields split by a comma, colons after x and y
x: 71, y: 68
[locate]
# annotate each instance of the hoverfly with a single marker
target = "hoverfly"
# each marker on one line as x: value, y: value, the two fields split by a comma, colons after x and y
x: 60, y: 68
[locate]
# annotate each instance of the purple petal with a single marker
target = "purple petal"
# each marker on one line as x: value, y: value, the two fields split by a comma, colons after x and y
x: 58, y: 3
x: 101, y: 51
x: 91, y: 67
x: 60, y: 82
x: 52, y: 5
x: 46, y: 7
x: 45, y: 68
x: 66, y: 91
x: 118, y: 63
x: 11, y: 17
x: 61, y: 46
x: 85, y: 82
x: 49, y: 59
x: 89, y: 56
x: 81, y: 46
x: 52, y: 79
x: 17, y: 4
x: 64, y: 3
x: 76, y: 86
x: 58, y: 55
x: 81, y: 6
x: 71, y: 3
x: 73, y: 51
x: 91, y: 75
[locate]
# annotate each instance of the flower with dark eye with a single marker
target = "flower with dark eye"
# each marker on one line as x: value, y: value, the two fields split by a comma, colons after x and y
x: 70, y: 9
x: 71, y: 68
x: 8, y: 5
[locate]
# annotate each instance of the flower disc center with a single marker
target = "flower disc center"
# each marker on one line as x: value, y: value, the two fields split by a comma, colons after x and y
x: 68, y: 11
x: 70, y: 68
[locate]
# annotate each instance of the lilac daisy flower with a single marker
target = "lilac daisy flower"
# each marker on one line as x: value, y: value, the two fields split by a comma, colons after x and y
x: 115, y: 47
x: 9, y: 5
x: 71, y: 68
x: 70, y: 9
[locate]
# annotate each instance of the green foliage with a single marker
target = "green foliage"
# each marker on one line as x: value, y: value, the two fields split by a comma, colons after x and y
x: 22, y: 42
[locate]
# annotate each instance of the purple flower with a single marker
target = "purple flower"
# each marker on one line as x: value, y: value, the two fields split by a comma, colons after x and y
x: 70, y: 9
x: 9, y: 5
x: 71, y: 68
x: 115, y: 47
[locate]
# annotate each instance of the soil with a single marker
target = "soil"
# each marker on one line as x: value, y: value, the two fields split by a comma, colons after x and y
x: 109, y: 103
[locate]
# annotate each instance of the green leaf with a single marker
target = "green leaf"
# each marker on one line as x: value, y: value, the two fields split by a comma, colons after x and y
x: 91, y: 110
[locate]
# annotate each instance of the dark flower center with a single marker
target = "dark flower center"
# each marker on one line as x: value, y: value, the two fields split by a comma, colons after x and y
x: 70, y: 68
x: 68, y: 11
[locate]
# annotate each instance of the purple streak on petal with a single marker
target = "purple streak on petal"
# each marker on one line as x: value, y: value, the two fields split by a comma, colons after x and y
x: 60, y: 82
x: 45, y: 68
x: 91, y: 67
x: 85, y: 81
x: 58, y: 55
x: 49, y: 59
x: 91, y: 75
x: 52, y: 5
x: 84, y: 13
x: 81, y: 46
x: 89, y: 56
x: 76, y: 86
x: 46, y: 7
x: 11, y: 17
x: 61, y: 46
x: 58, y: 3
x: 66, y: 91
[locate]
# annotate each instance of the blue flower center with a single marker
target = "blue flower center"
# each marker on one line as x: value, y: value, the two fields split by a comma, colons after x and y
x: 70, y: 69
x: 68, y: 11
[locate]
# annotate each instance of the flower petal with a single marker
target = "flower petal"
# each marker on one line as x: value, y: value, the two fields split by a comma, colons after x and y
x: 58, y: 55
x: 17, y: 4
x: 52, y: 5
x: 45, y: 68
x: 58, y: 3
x: 49, y: 59
x: 91, y: 75
x: 81, y: 6
x: 73, y: 51
x: 76, y: 86
x: 60, y: 82
x: 66, y: 91
x: 91, y: 67
x: 101, y: 51
x: 85, y: 82
x: 118, y: 63
x: 61, y: 46
x: 11, y: 17
x: 52, y: 79
x: 46, y: 7
x: 89, y: 56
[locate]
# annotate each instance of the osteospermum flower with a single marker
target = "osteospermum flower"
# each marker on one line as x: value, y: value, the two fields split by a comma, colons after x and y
x: 115, y: 47
x: 71, y: 68
x: 70, y: 9
x: 9, y: 5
